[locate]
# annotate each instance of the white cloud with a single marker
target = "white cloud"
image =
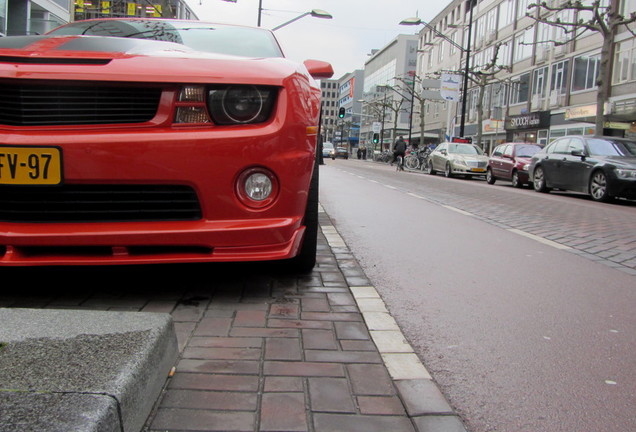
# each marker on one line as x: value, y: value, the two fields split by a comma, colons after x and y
x: 357, y: 27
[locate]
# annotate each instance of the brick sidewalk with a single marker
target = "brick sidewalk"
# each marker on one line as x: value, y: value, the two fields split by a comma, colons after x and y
x: 319, y: 353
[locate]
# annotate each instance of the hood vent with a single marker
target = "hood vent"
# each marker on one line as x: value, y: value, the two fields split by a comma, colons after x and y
x: 53, y: 61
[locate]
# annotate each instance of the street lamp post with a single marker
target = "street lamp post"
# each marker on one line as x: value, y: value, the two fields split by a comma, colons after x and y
x: 466, y: 50
x: 316, y: 13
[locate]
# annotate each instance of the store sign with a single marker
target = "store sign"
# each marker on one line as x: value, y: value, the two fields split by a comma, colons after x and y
x: 535, y: 120
x: 490, y: 126
x: 580, y: 112
x: 449, y: 87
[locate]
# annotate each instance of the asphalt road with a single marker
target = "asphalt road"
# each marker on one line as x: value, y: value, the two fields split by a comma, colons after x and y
x: 520, y: 304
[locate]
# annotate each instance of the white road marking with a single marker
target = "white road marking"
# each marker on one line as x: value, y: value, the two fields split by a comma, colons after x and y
x: 540, y: 239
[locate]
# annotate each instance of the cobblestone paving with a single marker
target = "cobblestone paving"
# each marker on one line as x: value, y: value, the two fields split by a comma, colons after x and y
x: 263, y: 351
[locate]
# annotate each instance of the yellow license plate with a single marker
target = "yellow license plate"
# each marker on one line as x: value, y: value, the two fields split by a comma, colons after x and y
x: 478, y: 170
x: 30, y: 165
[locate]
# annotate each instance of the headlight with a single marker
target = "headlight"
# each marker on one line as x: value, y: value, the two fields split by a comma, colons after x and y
x: 525, y: 167
x: 626, y: 173
x: 240, y: 104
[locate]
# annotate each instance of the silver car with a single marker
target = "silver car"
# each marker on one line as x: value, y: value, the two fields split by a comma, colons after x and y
x: 457, y: 159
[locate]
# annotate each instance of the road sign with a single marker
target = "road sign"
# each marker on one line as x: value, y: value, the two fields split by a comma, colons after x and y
x: 377, y: 126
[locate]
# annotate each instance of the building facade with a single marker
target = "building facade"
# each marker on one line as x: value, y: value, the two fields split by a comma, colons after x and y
x: 87, y: 9
x: 329, y: 109
x: 33, y: 17
x: 384, y: 101
x: 541, y: 90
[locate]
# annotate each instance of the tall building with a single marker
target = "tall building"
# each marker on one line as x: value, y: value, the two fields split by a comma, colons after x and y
x: 384, y: 102
x: 350, y: 87
x: 24, y: 17
x: 86, y: 9
x: 543, y: 90
x: 329, y: 106
x: 32, y: 17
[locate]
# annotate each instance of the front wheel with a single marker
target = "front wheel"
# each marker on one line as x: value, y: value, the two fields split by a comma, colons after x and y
x: 598, y: 187
x: 539, y: 182
x: 448, y: 171
x: 489, y: 177
x: 411, y: 162
x: 305, y: 261
x: 515, y: 180
x: 429, y: 167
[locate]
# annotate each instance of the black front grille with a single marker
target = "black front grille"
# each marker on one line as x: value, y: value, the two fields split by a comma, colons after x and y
x: 98, y: 203
x: 34, y: 104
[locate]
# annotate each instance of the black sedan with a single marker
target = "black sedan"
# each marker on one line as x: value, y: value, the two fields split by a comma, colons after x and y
x: 603, y: 167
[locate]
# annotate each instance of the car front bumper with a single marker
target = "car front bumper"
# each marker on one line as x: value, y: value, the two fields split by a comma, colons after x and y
x: 207, y: 161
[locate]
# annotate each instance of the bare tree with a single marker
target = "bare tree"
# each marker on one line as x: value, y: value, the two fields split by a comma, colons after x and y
x: 599, y: 16
x: 482, y: 76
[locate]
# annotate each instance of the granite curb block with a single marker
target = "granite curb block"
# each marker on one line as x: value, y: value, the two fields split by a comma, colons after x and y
x: 424, y: 403
x: 75, y: 370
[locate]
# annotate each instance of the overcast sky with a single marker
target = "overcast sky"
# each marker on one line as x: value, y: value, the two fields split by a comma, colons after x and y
x: 357, y: 27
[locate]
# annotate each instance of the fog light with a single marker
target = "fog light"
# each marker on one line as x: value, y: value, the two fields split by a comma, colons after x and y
x: 257, y: 187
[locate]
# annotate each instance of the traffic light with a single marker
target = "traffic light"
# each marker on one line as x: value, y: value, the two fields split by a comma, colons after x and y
x: 376, y: 138
x: 341, y: 112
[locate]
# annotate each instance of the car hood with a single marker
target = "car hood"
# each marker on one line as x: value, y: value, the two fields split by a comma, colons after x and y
x: 622, y: 161
x: 458, y: 156
x: 133, y: 60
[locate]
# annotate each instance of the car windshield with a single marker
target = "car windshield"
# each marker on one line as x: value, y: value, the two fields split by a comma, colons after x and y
x: 610, y: 147
x: 216, y: 38
x: 527, y: 151
x: 466, y: 149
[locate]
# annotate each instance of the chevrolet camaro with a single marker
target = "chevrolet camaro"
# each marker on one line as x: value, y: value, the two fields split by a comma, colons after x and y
x: 139, y: 141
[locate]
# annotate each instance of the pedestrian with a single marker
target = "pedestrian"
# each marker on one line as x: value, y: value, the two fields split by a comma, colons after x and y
x: 399, y: 149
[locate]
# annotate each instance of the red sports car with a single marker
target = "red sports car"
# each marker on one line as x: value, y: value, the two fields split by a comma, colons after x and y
x: 137, y: 141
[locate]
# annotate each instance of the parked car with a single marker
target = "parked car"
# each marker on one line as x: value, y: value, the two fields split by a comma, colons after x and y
x: 327, y: 149
x: 603, y: 167
x: 457, y: 159
x: 341, y: 152
x: 509, y: 161
x: 138, y: 141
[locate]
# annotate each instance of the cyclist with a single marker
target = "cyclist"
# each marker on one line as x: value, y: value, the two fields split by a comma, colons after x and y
x: 399, y: 149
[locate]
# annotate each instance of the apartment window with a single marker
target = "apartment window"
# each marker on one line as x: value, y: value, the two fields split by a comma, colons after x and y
x: 585, y: 72
x: 625, y: 62
x: 561, y: 33
x: 628, y: 6
x: 440, y: 52
x: 498, y: 98
x: 522, y: 8
x: 523, y: 44
x: 507, y: 13
x: 503, y: 57
x: 559, y: 77
x: 539, y: 81
x: 519, y: 89
x: 453, y: 48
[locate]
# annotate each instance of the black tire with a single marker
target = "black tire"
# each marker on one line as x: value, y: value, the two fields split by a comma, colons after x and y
x: 490, y: 179
x: 429, y: 167
x: 411, y: 162
x: 539, y: 182
x: 515, y: 180
x: 448, y: 171
x: 598, y: 187
x: 305, y: 261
